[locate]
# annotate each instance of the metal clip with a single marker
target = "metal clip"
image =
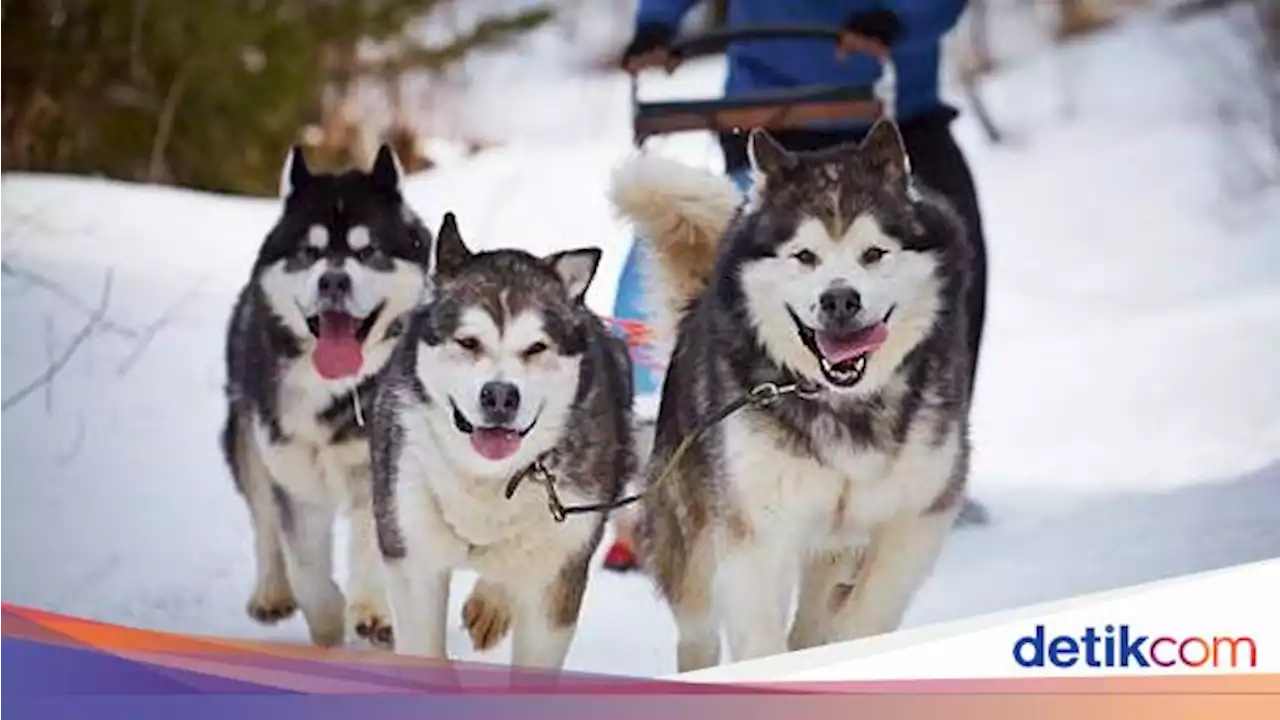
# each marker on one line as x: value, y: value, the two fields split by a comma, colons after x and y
x: 542, y: 475
x: 767, y: 393
x: 553, y: 504
x: 355, y: 403
x: 807, y: 391
x: 539, y: 474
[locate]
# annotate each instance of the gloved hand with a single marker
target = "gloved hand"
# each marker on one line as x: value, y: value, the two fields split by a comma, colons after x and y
x: 649, y: 47
x: 871, y: 31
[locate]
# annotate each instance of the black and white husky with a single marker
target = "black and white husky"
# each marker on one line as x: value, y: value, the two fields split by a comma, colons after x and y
x: 315, y: 322
x: 506, y: 367
x: 841, y: 274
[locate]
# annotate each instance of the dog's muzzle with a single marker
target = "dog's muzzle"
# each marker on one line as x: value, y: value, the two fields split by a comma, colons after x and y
x: 842, y: 353
x: 493, y: 442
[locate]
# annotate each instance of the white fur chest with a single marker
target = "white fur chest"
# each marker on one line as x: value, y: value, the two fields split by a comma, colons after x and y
x: 908, y: 481
x: 838, y: 497
x: 306, y: 462
x: 785, y: 495
x: 483, y: 529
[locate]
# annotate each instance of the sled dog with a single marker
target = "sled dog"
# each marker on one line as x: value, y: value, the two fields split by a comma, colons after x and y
x: 315, y: 322
x: 842, y: 275
x: 504, y: 372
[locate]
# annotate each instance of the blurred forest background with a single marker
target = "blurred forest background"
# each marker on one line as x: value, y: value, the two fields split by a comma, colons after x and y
x: 208, y: 95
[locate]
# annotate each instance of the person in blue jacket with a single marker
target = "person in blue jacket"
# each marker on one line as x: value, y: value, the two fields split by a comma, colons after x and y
x: 910, y: 31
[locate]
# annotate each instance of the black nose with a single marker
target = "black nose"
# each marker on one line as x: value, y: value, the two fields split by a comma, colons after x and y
x: 335, y: 284
x: 840, y: 306
x: 499, y: 401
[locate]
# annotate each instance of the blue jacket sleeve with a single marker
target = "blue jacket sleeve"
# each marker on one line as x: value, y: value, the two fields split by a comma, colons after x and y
x: 663, y: 12
x: 925, y: 21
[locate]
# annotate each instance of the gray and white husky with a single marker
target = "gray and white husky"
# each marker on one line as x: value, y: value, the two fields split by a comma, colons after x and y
x: 504, y: 367
x: 316, y: 321
x: 842, y: 274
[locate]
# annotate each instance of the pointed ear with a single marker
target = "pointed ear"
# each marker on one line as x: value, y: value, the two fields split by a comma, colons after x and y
x: 576, y: 269
x: 767, y: 156
x: 884, y: 151
x: 451, y: 252
x: 295, y: 174
x: 387, y: 170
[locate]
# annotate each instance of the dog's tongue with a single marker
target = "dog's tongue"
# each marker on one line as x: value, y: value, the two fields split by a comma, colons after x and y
x: 337, y: 352
x: 495, y: 443
x: 839, y: 348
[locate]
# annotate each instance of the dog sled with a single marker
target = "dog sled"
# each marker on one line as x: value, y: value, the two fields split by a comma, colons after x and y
x: 773, y: 110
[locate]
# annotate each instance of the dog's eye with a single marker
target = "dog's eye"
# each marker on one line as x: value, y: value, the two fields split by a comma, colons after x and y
x: 367, y: 254
x: 306, y: 254
x: 535, y: 350
x: 469, y: 344
x: 873, y: 255
x: 805, y: 257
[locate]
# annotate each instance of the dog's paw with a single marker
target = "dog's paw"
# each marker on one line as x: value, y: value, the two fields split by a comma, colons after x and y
x: 269, y: 606
x: 486, y: 615
x: 372, y: 622
x: 328, y: 634
x: 325, y: 618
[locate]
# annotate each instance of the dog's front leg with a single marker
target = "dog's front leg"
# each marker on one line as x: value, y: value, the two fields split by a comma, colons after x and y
x: 546, y: 612
x: 367, y: 610
x: 824, y: 583
x: 901, y: 555
x: 419, y: 594
x: 308, y: 535
x: 417, y: 579
x: 272, y: 599
x: 753, y: 590
x: 546, y: 616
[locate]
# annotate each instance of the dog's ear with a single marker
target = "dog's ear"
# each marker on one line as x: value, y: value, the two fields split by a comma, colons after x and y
x: 295, y: 174
x: 768, y: 157
x: 387, y: 170
x: 884, y: 152
x: 576, y: 269
x: 451, y: 253
x: 419, y: 235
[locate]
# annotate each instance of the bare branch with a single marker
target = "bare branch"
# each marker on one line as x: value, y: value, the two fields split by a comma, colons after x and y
x: 50, y: 354
x: 77, y: 442
x: 35, y: 279
x: 151, y: 330
x: 51, y: 372
x: 164, y: 126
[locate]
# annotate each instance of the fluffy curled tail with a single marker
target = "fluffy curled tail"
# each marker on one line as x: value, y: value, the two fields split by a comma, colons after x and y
x: 680, y: 213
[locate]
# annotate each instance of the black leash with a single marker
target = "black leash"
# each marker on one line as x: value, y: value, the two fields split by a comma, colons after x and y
x: 762, y: 395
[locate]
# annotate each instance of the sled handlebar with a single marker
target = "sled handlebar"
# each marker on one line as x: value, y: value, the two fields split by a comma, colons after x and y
x: 717, y: 42
x: 775, y: 109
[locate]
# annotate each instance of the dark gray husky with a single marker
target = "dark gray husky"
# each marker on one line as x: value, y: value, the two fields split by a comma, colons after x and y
x: 315, y: 322
x: 505, y: 367
x: 842, y: 276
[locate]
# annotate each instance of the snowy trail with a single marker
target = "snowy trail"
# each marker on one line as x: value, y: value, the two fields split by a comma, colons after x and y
x: 1128, y: 413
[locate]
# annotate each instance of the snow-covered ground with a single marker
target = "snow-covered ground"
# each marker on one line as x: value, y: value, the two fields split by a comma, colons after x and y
x: 1128, y: 411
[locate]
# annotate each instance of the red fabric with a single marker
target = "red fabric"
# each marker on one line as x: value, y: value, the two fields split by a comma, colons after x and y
x: 620, y: 557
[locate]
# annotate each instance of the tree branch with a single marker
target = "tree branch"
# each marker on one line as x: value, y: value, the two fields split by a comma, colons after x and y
x: 52, y: 370
x: 151, y: 330
x: 164, y: 126
x: 35, y: 279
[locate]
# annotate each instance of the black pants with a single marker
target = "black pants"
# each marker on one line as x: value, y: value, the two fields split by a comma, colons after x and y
x: 939, y: 164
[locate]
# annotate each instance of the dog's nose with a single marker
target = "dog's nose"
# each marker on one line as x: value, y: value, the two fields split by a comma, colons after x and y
x: 499, y: 401
x: 840, y: 305
x: 335, y: 284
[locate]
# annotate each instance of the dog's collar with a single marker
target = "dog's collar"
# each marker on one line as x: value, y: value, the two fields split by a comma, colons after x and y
x: 805, y: 389
x: 539, y: 471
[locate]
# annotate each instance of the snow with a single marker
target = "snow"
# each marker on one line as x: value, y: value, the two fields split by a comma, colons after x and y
x: 1128, y: 412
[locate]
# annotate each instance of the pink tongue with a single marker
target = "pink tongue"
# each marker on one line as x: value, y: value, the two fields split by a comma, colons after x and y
x: 495, y: 443
x: 839, y: 349
x: 337, y: 352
